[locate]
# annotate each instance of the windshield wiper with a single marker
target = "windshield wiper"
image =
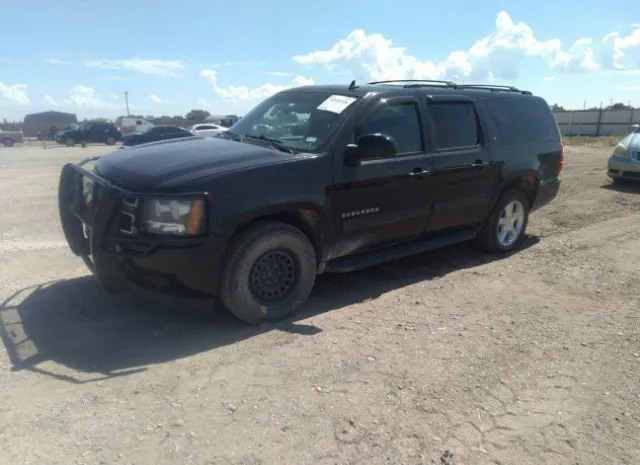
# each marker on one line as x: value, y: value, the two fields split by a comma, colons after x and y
x: 231, y: 135
x: 275, y: 143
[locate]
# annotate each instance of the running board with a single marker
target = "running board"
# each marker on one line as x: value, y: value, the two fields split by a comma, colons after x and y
x: 375, y: 257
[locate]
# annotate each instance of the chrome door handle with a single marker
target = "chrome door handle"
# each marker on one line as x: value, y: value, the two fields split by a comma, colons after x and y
x: 419, y: 172
x: 479, y: 164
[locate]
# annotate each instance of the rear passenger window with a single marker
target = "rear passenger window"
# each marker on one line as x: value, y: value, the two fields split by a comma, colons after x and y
x: 521, y: 121
x: 455, y: 125
x: 400, y: 121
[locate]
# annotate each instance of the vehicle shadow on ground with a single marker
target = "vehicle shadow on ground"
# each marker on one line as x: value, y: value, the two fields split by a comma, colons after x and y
x: 97, y: 335
x: 626, y: 187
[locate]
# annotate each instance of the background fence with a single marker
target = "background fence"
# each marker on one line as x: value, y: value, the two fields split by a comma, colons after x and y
x: 600, y: 122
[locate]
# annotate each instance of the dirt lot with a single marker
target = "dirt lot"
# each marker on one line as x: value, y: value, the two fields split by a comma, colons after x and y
x: 449, y: 358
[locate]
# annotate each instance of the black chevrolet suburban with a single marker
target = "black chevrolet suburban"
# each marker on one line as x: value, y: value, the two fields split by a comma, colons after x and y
x: 314, y: 179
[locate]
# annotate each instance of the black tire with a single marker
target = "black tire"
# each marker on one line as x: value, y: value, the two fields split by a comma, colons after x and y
x: 488, y: 238
x: 8, y: 142
x: 69, y: 142
x: 110, y: 140
x: 269, y: 245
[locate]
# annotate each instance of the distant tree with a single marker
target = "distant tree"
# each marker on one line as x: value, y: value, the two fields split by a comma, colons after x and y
x: 556, y: 107
x: 197, y: 115
x: 619, y: 106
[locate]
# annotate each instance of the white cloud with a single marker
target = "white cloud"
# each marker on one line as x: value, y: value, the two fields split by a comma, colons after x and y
x: 498, y: 55
x: 49, y: 101
x: 202, y: 103
x: 56, y: 61
x: 578, y: 58
x: 155, y: 67
x: 85, y: 97
x: 622, y: 53
x: 244, y: 93
x: 155, y: 99
x: 278, y: 73
x: 15, y: 94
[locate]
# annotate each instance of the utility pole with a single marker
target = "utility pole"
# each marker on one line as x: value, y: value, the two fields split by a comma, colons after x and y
x: 126, y: 101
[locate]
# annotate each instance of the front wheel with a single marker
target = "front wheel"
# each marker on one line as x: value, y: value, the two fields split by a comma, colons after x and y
x: 269, y: 273
x: 8, y: 142
x: 70, y: 142
x: 505, y: 227
x: 110, y: 140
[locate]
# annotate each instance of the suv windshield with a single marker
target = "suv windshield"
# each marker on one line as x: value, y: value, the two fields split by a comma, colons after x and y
x: 294, y: 120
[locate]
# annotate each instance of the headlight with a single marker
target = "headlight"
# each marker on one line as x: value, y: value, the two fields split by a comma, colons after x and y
x: 87, y: 190
x: 621, y: 150
x: 173, y: 217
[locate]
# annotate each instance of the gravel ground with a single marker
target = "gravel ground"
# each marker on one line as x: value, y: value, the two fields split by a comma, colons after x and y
x: 451, y: 357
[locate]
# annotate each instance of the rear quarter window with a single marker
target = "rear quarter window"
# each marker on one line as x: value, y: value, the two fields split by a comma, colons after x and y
x: 521, y: 121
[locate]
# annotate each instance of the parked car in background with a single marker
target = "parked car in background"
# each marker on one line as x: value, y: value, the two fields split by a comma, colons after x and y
x: 47, y: 134
x: 91, y: 132
x: 207, y: 129
x: 10, y: 138
x: 129, y: 124
x: 155, y: 134
x: 624, y: 163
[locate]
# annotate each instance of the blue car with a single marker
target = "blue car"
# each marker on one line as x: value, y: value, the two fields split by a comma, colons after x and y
x: 624, y: 163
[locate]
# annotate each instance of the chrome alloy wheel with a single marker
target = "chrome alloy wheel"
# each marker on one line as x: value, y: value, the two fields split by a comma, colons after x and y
x: 510, y: 223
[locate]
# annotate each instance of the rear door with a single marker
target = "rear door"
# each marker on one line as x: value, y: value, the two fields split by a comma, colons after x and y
x: 174, y: 133
x: 96, y: 132
x: 386, y: 200
x: 464, y: 174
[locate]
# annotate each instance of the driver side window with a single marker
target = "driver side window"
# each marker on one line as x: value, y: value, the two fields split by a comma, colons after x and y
x: 401, y: 122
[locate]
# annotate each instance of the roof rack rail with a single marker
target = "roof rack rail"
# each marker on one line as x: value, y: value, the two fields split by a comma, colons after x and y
x: 493, y: 88
x: 416, y: 82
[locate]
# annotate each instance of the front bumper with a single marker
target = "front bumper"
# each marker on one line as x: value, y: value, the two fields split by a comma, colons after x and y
x: 624, y: 167
x: 105, y: 229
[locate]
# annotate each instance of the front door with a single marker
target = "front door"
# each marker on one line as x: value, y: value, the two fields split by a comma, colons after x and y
x: 386, y: 200
x: 464, y: 174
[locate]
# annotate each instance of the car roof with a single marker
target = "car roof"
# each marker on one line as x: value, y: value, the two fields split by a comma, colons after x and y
x: 426, y: 86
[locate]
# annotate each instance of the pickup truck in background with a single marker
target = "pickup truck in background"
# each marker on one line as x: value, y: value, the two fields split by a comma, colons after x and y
x: 10, y: 138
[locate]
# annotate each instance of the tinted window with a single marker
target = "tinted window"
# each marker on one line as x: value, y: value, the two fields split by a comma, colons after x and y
x: 156, y: 130
x: 455, y: 125
x: 173, y: 131
x: 402, y: 122
x: 523, y: 120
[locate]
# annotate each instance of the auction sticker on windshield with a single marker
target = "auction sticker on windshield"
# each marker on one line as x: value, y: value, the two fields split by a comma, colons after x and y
x: 336, y: 103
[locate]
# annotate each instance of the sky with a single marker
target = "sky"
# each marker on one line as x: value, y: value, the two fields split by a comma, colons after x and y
x: 81, y: 56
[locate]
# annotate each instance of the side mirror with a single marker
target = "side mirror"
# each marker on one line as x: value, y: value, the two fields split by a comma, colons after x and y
x: 635, y: 127
x: 370, y: 146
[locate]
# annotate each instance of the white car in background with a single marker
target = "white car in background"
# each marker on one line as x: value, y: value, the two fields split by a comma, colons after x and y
x: 207, y: 129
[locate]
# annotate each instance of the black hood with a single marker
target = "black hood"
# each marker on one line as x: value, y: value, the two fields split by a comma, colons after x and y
x: 171, y: 163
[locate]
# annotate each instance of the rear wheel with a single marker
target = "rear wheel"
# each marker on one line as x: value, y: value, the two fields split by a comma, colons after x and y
x: 8, y: 142
x: 110, y: 140
x: 269, y: 273
x: 505, y: 227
